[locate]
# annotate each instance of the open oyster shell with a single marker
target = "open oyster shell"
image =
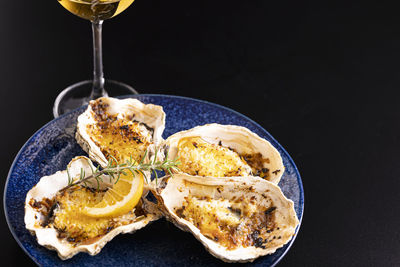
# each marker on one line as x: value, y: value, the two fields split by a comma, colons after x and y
x: 236, y: 219
x: 40, y: 207
x: 120, y: 128
x: 255, y: 155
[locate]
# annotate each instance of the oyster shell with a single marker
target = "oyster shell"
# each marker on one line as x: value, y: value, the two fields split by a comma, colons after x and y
x: 52, y: 214
x: 236, y: 219
x: 119, y: 127
x: 225, y: 150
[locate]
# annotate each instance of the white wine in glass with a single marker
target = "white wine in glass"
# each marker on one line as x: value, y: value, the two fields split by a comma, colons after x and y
x: 93, y: 10
x: 81, y: 93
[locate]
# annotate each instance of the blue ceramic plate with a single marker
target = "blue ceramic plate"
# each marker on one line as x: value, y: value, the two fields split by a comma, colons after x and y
x: 161, y: 243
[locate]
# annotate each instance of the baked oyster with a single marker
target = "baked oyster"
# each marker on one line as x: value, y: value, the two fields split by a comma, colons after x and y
x: 237, y: 220
x: 120, y: 128
x: 224, y: 151
x: 54, y: 212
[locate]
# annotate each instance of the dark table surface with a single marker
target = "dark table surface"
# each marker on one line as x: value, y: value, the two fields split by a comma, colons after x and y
x: 322, y: 78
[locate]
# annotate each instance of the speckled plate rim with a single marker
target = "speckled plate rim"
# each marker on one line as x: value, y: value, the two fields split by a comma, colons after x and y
x: 300, y: 183
x: 8, y: 178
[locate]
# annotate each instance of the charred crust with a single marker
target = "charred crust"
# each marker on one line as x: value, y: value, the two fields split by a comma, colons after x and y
x: 49, y: 217
x: 265, y: 170
x: 34, y: 204
x: 276, y: 172
x: 237, y: 212
x: 259, y: 243
x: 179, y: 212
x: 257, y: 162
x: 270, y: 210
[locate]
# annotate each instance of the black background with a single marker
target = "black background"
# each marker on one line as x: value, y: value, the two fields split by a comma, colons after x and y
x: 322, y: 77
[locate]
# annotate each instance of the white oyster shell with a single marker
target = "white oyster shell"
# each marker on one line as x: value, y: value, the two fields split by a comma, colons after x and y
x: 47, y: 187
x: 241, y: 139
x: 173, y: 191
x: 151, y: 115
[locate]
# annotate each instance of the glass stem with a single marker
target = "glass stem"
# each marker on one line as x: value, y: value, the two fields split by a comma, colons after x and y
x: 98, y: 76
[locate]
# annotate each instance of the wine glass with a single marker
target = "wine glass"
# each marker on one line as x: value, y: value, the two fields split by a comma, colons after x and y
x: 81, y: 93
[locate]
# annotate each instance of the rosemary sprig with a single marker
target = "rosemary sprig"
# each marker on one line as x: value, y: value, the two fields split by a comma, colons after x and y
x: 114, y: 169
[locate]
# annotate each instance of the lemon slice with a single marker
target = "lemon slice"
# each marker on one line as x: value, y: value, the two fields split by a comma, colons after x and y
x: 120, y: 199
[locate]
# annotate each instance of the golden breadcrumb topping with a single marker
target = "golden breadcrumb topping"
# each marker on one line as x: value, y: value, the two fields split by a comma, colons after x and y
x: 118, y: 136
x: 64, y: 213
x: 231, y: 223
x: 69, y: 220
x: 199, y: 157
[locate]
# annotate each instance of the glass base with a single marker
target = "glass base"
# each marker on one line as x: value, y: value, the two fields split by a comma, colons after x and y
x: 79, y: 94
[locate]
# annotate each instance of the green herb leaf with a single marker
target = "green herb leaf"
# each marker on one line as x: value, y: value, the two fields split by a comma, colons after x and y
x: 114, y: 169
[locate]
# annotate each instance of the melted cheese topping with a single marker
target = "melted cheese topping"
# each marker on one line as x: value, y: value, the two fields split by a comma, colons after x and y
x: 239, y: 223
x: 198, y: 157
x: 118, y: 136
x: 76, y: 227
